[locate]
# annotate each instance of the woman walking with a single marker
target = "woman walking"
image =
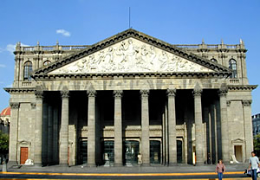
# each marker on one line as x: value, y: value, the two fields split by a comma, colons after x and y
x: 220, y: 169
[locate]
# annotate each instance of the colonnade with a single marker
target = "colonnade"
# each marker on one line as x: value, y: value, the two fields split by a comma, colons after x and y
x: 118, y: 141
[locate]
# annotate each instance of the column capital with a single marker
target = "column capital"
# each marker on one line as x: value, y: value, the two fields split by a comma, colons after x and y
x: 171, y: 92
x: 144, y: 93
x: 65, y: 94
x: 197, y: 92
x: 39, y: 94
x: 118, y: 93
x: 246, y: 102
x: 91, y: 93
x: 223, y: 90
x: 15, y: 105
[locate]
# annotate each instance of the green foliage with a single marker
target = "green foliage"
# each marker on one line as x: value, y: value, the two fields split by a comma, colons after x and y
x: 4, y: 142
x: 257, y: 144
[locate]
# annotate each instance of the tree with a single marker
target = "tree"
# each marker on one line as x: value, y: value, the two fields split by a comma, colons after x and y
x: 4, y: 143
x: 257, y: 144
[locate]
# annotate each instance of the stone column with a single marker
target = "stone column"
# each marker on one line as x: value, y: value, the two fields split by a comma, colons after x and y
x: 38, y: 128
x: 91, y: 128
x: 118, y: 142
x: 248, y: 129
x: 145, y: 128
x: 50, y: 135
x: 172, y: 127
x: 64, y: 135
x: 55, y: 135
x: 13, y: 133
x: 213, y: 133
x: 198, y: 125
x: 224, y: 123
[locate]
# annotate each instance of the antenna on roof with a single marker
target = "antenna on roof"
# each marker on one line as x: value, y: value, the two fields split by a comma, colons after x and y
x: 129, y: 16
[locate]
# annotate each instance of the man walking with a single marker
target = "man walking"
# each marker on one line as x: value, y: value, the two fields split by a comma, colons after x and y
x: 253, y: 164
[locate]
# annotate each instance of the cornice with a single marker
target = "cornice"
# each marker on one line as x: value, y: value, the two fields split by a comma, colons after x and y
x: 20, y: 90
x: 242, y: 87
x: 137, y: 74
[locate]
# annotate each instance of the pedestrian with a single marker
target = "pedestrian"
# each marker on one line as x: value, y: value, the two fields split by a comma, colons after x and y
x: 220, y: 169
x: 253, y: 164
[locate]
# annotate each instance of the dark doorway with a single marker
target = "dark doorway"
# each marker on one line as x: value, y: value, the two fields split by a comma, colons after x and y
x: 155, y: 152
x: 131, y: 150
x: 179, y: 151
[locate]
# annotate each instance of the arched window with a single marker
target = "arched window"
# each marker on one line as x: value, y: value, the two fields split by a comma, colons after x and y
x: 214, y: 60
x: 233, y: 67
x: 46, y: 63
x: 27, y: 70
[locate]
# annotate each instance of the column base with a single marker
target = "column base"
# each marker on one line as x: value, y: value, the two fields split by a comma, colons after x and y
x: 172, y: 164
x: 199, y: 164
x: 91, y: 165
x: 145, y: 164
x: 63, y: 165
x: 118, y: 164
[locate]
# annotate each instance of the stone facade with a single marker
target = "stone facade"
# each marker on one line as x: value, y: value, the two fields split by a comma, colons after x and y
x: 130, y: 99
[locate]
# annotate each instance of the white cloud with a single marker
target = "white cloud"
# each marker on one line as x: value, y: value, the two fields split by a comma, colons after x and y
x: 10, y: 47
x: 63, y: 32
x: 2, y: 66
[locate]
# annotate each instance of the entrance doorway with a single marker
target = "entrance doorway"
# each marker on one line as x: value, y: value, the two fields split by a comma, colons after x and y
x: 238, y: 152
x: 155, y: 152
x: 131, y: 150
x: 179, y: 151
x: 108, y: 152
x: 24, y: 155
x: 83, y: 155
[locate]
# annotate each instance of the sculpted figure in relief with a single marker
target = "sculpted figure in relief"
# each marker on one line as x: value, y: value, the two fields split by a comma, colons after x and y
x: 164, y: 60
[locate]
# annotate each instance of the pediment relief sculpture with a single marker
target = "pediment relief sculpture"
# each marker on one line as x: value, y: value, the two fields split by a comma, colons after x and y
x: 131, y: 55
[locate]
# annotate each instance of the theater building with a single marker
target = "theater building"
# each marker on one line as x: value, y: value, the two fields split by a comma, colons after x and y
x: 130, y: 100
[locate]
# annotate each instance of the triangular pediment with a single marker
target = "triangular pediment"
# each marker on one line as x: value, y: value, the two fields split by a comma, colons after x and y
x: 131, y: 52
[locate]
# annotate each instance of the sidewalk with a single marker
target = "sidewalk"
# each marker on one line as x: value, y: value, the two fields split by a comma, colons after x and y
x: 180, y: 168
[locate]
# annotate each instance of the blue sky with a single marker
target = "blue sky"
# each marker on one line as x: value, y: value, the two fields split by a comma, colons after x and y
x: 84, y: 22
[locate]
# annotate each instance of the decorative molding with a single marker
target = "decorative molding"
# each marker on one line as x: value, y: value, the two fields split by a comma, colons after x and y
x: 242, y: 87
x: 91, y: 93
x: 118, y: 93
x: 197, y: 90
x: 65, y: 94
x: 14, y: 105
x: 246, y: 102
x: 223, y: 90
x: 33, y: 105
x: 228, y: 103
x: 171, y: 92
x: 24, y: 142
x: 19, y: 90
x: 144, y: 93
x: 39, y: 94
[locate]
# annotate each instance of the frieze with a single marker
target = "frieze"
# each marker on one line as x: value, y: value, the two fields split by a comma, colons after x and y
x: 131, y: 55
x: 242, y: 87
